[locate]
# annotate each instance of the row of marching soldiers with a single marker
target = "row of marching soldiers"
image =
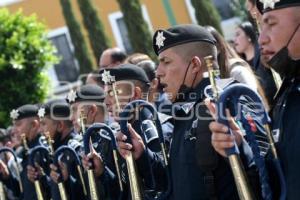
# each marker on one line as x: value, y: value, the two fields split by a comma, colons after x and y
x: 63, y: 140
x: 117, y: 146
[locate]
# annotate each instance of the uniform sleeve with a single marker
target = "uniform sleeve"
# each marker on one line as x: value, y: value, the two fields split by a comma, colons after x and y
x: 156, y: 168
x: 109, y: 180
x: 12, y: 184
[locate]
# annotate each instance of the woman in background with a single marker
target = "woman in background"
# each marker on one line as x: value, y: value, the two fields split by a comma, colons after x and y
x: 245, y: 42
x: 232, y: 65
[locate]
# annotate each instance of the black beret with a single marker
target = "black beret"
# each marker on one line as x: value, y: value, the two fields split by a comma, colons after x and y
x: 90, y: 92
x: 55, y: 108
x: 123, y: 72
x: 180, y: 34
x: 267, y: 5
x: 25, y: 111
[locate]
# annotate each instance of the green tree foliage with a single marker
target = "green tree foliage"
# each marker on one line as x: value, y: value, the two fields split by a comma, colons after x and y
x: 239, y: 9
x: 207, y: 14
x: 139, y: 34
x: 25, y: 52
x: 81, y: 50
x: 98, y: 40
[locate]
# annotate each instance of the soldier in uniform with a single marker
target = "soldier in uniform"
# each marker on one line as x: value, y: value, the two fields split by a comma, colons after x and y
x: 25, y: 121
x: 131, y: 83
x: 54, y: 120
x: 278, y: 41
x: 87, y: 102
x: 87, y: 105
x: 197, y: 172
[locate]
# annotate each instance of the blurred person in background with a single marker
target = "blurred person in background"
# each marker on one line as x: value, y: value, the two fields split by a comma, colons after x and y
x: 112, y: 57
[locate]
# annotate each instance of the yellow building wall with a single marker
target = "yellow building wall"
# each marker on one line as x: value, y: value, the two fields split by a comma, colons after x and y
x: 180, y: 11
x: 49, y: 11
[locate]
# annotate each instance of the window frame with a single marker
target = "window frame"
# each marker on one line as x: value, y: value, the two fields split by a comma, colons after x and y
x: 8, y: 2
x: 114, y: 16
x: 57, y: 32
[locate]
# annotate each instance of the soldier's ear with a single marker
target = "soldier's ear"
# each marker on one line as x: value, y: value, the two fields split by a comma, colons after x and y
x: 196, y: 64
x: 35, y: 124
x: 154, y: 83
x: 60, y: 125
x: 94, y: 109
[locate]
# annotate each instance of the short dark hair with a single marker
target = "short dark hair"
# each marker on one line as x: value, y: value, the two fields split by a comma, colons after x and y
x: 149, y: 67
x: 118, y: 56
x: 136, y: 58
x: 144, y: 87
x: 68, y: 123
x: 198, y: 48
x: 95, y: 76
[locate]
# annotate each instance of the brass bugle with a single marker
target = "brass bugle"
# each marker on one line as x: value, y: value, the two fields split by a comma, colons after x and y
x: 62, y: 191
x: 37, y: 185
x: 7, y: 149
x: 132, y: 176
x: 50, y: 142
x: 32, y: 162
x: 61, y: 187
x: 154, y: 125
x: 239, y: 174
x: 90, y: 172
x: 62, y: 150
x: 24, y: 143
x: 102, y: 126
x: 82, y: 120
x: 214, y: 74
x: 130, y: 163
x: 116, y: 96
x: 2, y: 192
x: 38, y: 190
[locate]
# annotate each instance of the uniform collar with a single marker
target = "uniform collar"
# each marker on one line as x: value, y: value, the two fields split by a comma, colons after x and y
x: 286, y: 83
x: 35, y: 141
x: 65, y: 140
x: 196, y: 95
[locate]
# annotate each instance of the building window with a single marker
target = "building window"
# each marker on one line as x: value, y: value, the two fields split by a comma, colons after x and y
x: 120, y: 30
x: 8, y: 2
x: 67, y: 70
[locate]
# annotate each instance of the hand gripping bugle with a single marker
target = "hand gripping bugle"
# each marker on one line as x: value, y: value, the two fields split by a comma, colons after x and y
x: 238, y: 171
x: 87, y: 148
x: 61, y: 150
x: 124, y: 117
x: 231, y: 96
x: 86, y: 140
x: 32, y: 155
x: 61, y: 187
x: 9, y: 150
